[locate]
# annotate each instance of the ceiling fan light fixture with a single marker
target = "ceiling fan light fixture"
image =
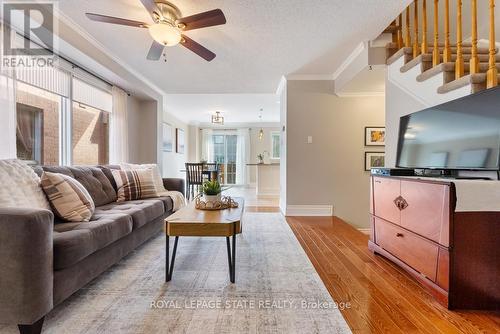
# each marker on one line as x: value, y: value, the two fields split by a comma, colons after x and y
x: 165, y: 34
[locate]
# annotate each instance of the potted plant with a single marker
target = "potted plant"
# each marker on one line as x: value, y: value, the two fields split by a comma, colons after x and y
x: 212, y: 191
x: 260, y: 156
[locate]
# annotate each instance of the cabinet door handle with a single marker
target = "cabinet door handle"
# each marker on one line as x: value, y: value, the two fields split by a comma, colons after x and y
x: 399, y: 235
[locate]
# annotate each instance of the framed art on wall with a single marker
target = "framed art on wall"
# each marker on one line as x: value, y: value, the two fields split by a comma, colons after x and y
x: 374, y: 160
x: 180, y: 141
x: 374, y: 136
x: 167, y: 143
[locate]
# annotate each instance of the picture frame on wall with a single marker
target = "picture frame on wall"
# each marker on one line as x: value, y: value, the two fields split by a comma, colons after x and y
x: 167, y: 144
x: 374, y: 160
x: 180, y: 140
x: 374, y: 136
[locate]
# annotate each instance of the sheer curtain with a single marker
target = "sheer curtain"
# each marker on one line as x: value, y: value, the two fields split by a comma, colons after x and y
x: 242, y: 156
x: 207, y: 146
x: 118, y: 130
x: 8, y: 117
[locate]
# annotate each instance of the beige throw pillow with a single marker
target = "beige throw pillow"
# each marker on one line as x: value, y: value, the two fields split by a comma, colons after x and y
x: 134, y: 184
x: 160, y: 189
x: 68, y: 198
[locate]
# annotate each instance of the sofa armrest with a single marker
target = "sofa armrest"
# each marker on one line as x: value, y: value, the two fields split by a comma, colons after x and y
x: 175, y: 185
x: 26, y: 271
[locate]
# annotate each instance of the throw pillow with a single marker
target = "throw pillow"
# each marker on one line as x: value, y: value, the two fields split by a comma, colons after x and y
x: 68, y: 197
x: 134, y: 184
x: 20, y: 186
x: 160, y: 189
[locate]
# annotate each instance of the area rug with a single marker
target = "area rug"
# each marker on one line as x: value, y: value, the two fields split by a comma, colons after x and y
x: 277, y: 289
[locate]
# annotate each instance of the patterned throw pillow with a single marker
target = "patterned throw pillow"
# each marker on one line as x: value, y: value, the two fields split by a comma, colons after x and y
x: 134, y: 184
x: 68, y: 198
x: 160, y: 189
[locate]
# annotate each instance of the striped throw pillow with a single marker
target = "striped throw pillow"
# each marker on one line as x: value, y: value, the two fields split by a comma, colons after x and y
x: 68, y: 198
x: 134, y: 184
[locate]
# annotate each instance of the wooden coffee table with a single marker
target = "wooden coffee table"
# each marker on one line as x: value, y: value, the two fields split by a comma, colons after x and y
x: 191, y: 222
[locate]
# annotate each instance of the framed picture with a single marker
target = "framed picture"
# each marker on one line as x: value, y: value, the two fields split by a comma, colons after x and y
x: 167, y: 144
x: 374, y: 160
x: 180, y: 141
x: 374, y: 136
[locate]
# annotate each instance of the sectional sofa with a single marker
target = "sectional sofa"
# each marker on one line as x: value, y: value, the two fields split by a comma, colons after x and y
x: 44, y: 260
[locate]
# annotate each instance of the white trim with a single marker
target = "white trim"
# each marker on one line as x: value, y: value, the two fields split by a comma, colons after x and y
x: 354, y: 54
x: 309, y: 210
x: 358, y: 94
x: 366, y: 231
x: 281, y: 85
x: 309, y: 77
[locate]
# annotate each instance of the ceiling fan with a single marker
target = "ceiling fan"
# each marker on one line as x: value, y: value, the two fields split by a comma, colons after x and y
x: 168, y: 28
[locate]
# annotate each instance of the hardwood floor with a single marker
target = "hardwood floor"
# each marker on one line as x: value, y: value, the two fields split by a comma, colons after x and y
x: 383, y: 298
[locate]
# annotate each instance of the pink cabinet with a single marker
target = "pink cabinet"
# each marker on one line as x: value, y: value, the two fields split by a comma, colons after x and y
x: 428, y: 210
x: 385, y: 192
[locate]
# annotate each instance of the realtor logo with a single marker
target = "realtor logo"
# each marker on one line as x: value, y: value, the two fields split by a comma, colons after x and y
x: 28, y: 34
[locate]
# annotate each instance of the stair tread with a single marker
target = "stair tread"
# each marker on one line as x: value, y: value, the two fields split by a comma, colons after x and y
x: 450, y: 67
x: 477, y: 78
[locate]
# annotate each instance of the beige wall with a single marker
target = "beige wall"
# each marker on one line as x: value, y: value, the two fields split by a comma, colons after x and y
x: 173, y: 162
x: 330, y: 171
x: 142, y: 120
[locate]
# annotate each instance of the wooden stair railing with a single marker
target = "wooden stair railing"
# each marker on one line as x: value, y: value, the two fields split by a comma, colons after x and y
x: 492, y: 74
x: 459, y: 63
x: 477, y: 63
x: 436, y: 57
x: 416, y: 47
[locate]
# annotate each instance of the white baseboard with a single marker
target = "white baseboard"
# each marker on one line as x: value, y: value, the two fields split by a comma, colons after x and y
x: 365, y: 230
x: 309, y: 210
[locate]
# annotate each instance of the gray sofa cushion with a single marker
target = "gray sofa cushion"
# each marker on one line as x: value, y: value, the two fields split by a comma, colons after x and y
x: 141, y: 211
x: 75, y: 241
x: 92, y: 178
x: 167, y: 203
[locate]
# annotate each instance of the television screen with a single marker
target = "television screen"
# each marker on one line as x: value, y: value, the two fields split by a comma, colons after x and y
x: 461, y: 134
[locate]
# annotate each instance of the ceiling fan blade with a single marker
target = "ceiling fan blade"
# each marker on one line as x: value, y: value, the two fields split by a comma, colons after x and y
x: 151, y: 7
x: 202, y: 20
x: 116, y: 20
x: 197, y: 48
x: 155, y: 51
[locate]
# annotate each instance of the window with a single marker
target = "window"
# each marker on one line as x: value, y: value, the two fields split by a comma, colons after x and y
x: 90, y: 135
x: 225, y: 155
x: 275, y: 145
x: 37, y: 128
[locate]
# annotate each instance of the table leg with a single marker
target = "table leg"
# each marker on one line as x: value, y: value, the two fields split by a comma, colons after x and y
x: 170, y: 269
x: 229, y: 261
x: 233, y: 262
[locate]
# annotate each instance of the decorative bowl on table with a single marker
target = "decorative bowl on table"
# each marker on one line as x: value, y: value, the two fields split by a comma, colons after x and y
x: 224, y: 202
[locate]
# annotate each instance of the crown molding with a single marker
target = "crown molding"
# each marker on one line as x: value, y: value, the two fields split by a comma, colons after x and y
x: 281, y: 85
x: 360, y: 94
x: 354, y: 54
x: 311, y: 77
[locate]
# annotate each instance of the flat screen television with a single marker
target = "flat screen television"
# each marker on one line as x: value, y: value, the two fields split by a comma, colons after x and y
x: 463, y: 134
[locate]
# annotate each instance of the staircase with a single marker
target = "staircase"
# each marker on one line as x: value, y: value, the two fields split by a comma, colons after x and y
x: 442, y: 70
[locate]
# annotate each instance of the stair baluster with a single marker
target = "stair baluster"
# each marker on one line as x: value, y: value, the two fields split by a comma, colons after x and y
x: 408, y: 36
x: 416, y: 47
x: 459, y: 64
x: 424, y: 27
x: 400, y: 31
x: 447, y: 50
x: 474, y: 59
x: 436, y: 58
x: 492, y: 74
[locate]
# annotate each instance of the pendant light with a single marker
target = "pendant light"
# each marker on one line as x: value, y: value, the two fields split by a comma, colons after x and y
x: 261, y: 132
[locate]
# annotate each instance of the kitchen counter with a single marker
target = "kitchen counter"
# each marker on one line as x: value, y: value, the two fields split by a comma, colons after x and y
x: 267, y: 179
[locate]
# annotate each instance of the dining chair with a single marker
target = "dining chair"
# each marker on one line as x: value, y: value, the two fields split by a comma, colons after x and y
x: 211, y: 170
x: 194, y: 178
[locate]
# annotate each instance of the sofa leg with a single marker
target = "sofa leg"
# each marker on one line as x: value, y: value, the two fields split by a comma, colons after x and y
x: 35, y: 328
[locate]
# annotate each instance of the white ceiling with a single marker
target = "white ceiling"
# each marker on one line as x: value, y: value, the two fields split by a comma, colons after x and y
x: 261, y: 41
x: 236, y: 108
